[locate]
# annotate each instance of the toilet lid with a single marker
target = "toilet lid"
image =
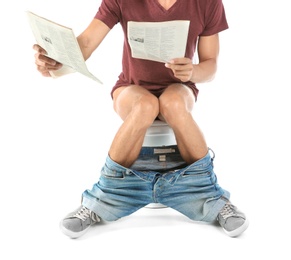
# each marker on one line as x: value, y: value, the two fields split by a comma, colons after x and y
x: 159, y: 134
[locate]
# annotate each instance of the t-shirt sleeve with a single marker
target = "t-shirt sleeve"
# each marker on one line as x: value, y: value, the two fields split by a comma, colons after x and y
x: 215, y: 18
x: 109, y: 13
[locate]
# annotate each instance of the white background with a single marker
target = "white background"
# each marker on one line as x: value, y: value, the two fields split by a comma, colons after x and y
x: 55, y: 134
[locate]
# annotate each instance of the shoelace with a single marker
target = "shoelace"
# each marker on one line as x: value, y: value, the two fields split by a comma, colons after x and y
x: 85, y: 213
x: 228, y: 211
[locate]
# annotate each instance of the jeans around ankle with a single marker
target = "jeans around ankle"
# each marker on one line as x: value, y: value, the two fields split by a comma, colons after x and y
x: 159, y: 175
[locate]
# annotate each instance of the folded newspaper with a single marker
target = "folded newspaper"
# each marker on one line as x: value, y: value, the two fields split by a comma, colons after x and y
x: 60, y: 44
x: 158, y: 41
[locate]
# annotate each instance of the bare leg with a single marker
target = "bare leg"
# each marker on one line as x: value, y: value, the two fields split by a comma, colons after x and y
x: 176, y: 104
x: 138, y: 108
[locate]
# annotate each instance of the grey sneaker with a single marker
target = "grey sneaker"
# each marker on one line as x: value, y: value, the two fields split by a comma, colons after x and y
x: 233, y: 221
x: 78, y: 222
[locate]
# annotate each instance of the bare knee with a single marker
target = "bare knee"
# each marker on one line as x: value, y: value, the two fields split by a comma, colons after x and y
x: 145, y: 110
x: 176, y: 102
x: 136, y: 103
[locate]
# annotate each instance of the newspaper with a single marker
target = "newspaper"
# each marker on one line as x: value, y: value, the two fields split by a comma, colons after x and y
x: 158, y: 41
x: 60, y: 44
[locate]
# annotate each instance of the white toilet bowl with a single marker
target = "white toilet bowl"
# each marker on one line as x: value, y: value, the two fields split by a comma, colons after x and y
x: 159, y: 134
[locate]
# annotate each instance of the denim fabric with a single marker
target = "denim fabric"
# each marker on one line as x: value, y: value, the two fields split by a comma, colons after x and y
x: 159, y: 175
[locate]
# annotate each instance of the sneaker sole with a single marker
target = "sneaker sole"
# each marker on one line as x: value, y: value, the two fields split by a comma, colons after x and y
x: 72, y: 234
x: 239, y: 230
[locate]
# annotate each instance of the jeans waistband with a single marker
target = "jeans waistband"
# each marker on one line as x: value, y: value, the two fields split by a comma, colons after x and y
x: 171, y: 149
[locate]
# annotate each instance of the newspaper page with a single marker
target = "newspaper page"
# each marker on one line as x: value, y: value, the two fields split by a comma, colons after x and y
x: 60, y: 44
x: 158, y: 41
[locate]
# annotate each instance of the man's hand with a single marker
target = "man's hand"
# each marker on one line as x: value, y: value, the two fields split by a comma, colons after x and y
x: 182, y: 68
x: 43, y: 63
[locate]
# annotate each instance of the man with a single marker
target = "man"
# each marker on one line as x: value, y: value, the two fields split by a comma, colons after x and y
x: 147, y: 90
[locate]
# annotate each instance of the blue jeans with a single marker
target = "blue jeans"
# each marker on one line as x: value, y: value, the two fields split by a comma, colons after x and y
x: 159, y: 175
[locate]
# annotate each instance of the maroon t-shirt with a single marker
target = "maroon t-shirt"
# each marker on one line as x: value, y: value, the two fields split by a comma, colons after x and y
x: 207, y: 17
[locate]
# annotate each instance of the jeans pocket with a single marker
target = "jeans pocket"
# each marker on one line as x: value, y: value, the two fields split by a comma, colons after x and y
x: 198, y: 178
x: 195, y: 173
x: 106, y: 172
